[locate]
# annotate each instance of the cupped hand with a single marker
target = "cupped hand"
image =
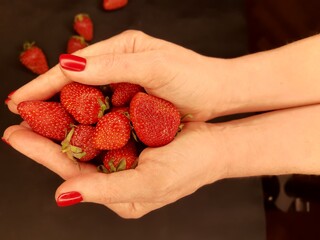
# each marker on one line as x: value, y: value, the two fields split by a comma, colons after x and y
x: 162, y: 176
x: 194, y: 83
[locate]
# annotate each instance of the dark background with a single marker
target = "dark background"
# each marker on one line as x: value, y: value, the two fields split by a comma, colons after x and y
x: 229, y: 209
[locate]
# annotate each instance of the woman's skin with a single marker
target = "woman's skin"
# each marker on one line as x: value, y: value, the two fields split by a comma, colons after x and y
x: 281, y: 141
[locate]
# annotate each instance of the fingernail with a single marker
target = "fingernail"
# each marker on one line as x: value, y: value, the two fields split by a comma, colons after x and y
x: 5, y: 141
x: 7, y: 101
x: 68, y: 199
x: 72, y: 62
x: 10, y: 94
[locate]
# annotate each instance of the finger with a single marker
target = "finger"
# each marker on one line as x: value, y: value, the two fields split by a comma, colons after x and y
x: 47, y: 85
x: 120, y: 187
x: 148, y: 69
x: 43, y: 87
x: 44, y: 151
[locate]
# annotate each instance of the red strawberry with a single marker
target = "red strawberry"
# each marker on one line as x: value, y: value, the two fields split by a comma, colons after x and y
x: 112, y: 131
x: 114, y: 4
x: 155, y: 120
x: 33, y: 58
x: 123, y: 93
x: 121, y: 159
x: 48, y: 119
x: 83, y: 25
x: 78, y: 143
x: 85, y: 103
x: 76, y: 43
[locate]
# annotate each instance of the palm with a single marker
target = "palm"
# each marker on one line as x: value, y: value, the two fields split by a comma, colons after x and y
x: 163, y: 175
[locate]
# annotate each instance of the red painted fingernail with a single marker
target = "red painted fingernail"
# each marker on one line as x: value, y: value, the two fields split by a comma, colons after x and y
x: 7, y: 100
x: 68, y: 199
x: 10, y: 94
x: 72, y: 62
x: 5, y: 141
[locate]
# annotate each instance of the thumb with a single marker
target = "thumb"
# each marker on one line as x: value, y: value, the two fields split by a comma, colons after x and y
x: 139, y: 68
x: 119, y: 187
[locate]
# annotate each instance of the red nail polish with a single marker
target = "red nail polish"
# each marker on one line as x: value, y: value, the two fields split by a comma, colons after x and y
x: 68, y: 199
x: 10, y: 94
x: 7, y: 100
x: 72, y: 62
x: 5, y: 141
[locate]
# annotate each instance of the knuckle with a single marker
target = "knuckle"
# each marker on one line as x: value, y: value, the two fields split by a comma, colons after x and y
x: 133, y: 39
x: 132, y: 215
x: 132, y: 33
x: 132, y: 211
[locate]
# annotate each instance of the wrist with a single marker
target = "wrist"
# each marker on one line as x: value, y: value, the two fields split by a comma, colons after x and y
x: 212, y: 152
x: 220, y: 97
x: 273, y: 143
x: 280, y: 78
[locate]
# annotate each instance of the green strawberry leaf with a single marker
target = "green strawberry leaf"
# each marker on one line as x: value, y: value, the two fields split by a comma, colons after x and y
x: 111, y: 165
x: 102, y: 169
x: 122, y: 165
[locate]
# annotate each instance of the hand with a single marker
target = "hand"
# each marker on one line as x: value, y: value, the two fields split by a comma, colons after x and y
x: 198, y: 85
x: 166, y: 70
x: 162, y: 176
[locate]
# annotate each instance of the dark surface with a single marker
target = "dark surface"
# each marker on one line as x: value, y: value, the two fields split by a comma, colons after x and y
x: 274, y: 23
x: 230, y: 209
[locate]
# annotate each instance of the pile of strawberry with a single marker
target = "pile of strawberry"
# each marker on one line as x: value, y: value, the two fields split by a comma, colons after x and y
x: 33, y: 56
x: 106, y: 123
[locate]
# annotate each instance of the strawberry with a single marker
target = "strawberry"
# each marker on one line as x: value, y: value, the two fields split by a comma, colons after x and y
x: 123, y: 93
x: 48, y: 119
x: 34, y: 58
x: 112, y: 131
x: 85, y: 103
x: 76, y: 43
x: 114, y: 4
x: 121, y: 159
x: 78, y: 143
x: 83, y: 25
x: 155, y: 120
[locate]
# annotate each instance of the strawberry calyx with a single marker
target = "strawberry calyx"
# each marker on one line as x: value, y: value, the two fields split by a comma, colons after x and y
x: 134, y: 136
x: 121, y: 166
x: 73, y: 152
x: 80, y: 38
x: 184, y: 117
x: 104, y: 106
x: 28, y: 45
x: 80, y: 16
x: 112, y: 168
x: 133, y: 133
x: 101, y: 168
